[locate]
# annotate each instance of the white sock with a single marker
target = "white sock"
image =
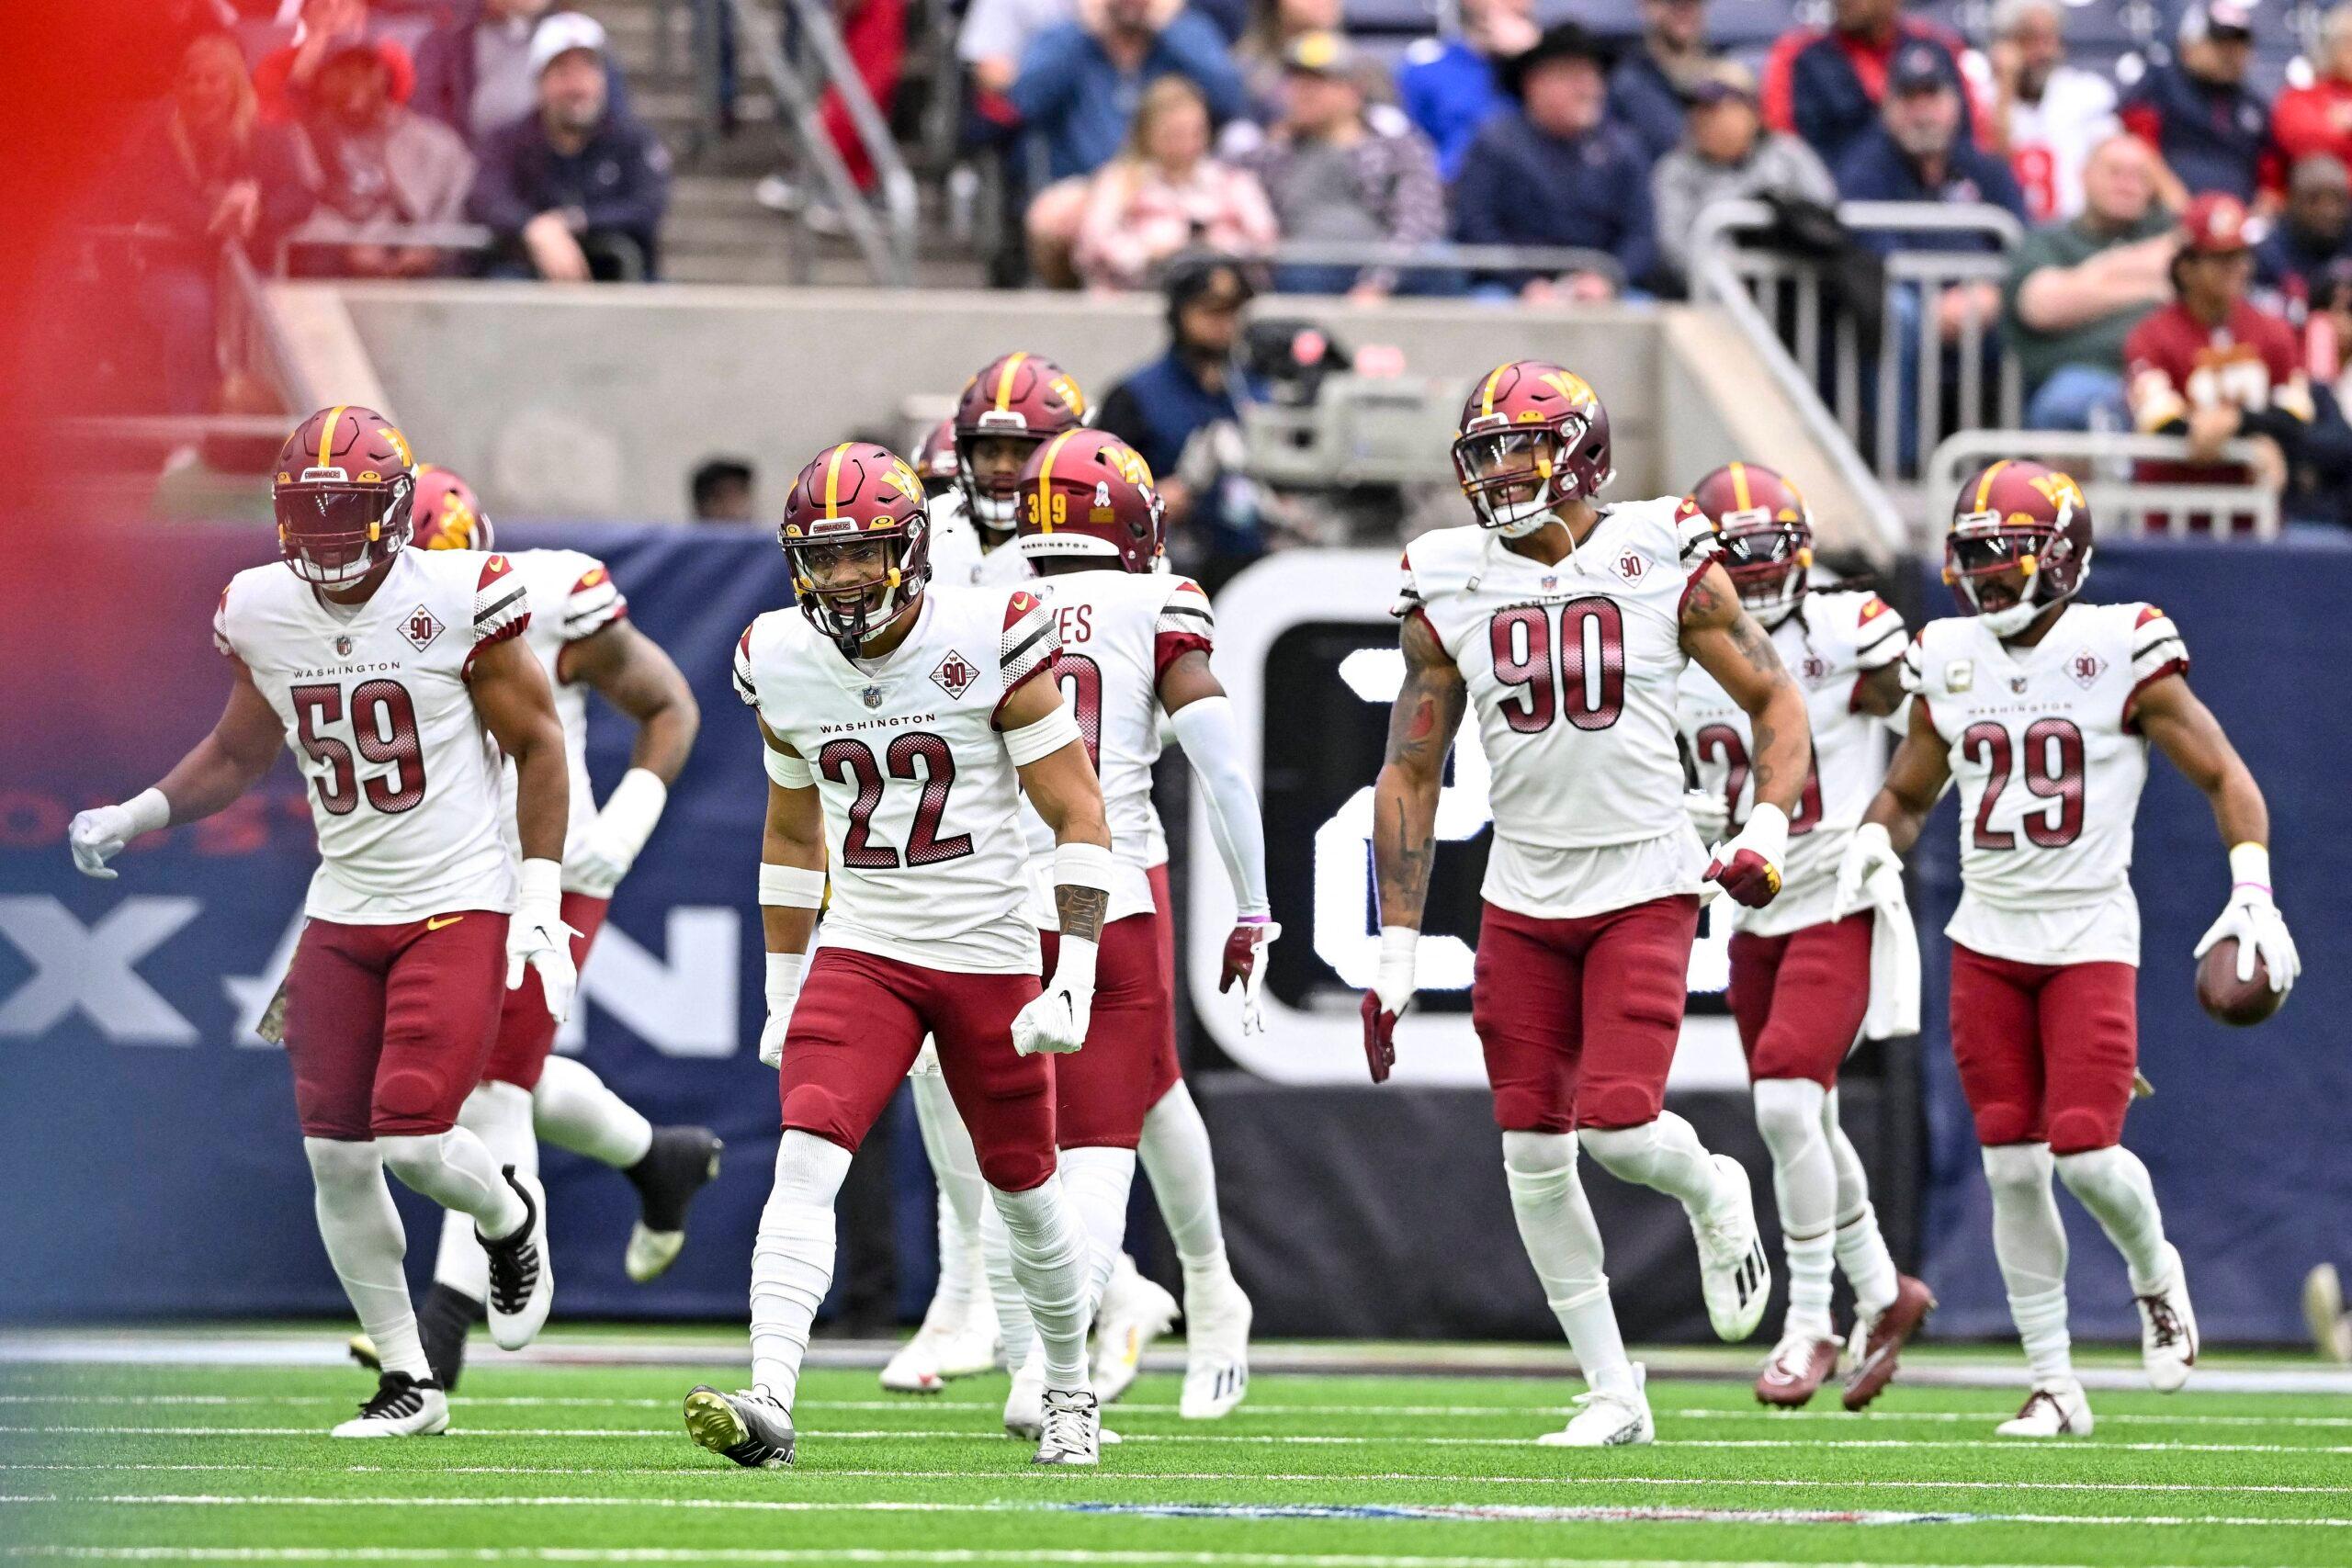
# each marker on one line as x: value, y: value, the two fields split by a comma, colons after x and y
x: 573, y: 1110
x: 2114, y: 1186
x: 366, y: 1242
x: 1175, y: 1155
x: 1555, y: 1225
x: 1862, y: 1249
x: 955, y: 1169
x: 1097, y: 1181
x: 2030, y: 1244
x: 1048, y: 1252
x: 1015, y: 1329
x: 454, y: 1171
x: 792, y: 1259
x: 500, y: 1115
x: 1804, y: 1187
x: 1665, y: 1155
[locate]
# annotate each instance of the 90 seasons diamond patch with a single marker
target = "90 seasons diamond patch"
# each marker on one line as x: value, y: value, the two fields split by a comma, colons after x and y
x: 955, y: 675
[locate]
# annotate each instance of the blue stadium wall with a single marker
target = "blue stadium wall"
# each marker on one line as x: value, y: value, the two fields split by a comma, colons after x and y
x: 153, y: 1167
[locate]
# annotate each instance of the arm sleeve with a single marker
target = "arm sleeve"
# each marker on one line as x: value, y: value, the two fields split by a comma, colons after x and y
x: 1185, y: 624
x: 1212, y: 745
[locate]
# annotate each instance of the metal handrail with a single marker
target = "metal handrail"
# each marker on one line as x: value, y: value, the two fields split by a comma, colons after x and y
x: 887, y: 244
x: 1446, y: 256
x: 410, y: 236
x: 248, y: 314
x: 2116, y: 497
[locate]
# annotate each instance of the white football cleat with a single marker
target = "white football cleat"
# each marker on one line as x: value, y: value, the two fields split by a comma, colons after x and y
x: 402, y: 1408
x: 2167, y: 1329
x: 1135, y: 1312
x: 1025, y: 1407
x: 749, y: 1426
x: 522, y: 1285
x: 1072, y: 1430
x: 943, y: 1349
x: 1217, y: 1351
x: 2323, y: 1311
x: 1734, y: 1274
x: 1608, y: 1420
x: 2058, y: 1409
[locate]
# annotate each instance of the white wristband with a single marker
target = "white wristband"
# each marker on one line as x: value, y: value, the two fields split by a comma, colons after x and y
x: 1042, y: 738
x: 789, y: 773
x: 1767, y: 831
x: 542, y: 889
x: 791, y: 887
x: 2249, y: 866
x: 784, y: 970
x: 147, y: 811
x: 634, y: 807
x: 1399, y: 943
x: 1083, y: 865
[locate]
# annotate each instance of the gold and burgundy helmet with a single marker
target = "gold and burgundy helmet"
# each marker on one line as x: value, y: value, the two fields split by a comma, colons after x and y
x: 857, y: 493
x: 935, y: 460
x: 343, y: 496
x: 2020, y: 541
x: 1767, y: 534
x: 1532, y: 408
x: 1088, y: 493
x: 447, y: 515
x: 1025, y: 396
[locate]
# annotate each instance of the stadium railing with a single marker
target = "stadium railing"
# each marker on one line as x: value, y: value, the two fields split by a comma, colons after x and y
x: 1792, y: 297
x: 2106, y: 464
x: 1447, y: 257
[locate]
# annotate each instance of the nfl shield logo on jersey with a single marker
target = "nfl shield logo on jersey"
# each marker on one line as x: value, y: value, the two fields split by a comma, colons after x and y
x: 2086, y: 667
x: 421, y: 628
x: 955, y: 675
x: 343, y: 648
x: 2017, y: 685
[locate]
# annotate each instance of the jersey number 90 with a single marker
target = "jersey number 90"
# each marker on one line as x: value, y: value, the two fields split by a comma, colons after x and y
x: 1581, y: 672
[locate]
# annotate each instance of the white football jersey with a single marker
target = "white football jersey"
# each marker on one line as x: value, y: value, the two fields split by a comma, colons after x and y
x: 403, y: 774
x: 921, y: 802
x: 1118, y: 631
x: 576, y: 598
x: 2050, y: 770
x: 958, y: 557
x: 1572, y: 669
x: 1829, y: 643
x: 2050, y: 141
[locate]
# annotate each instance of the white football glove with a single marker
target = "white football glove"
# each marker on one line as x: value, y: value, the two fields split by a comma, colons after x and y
x: 2254, y: 920
x: 1708, y: 813
x: 610, y: 845
x: 1056, y: 1019
x: 98, y: 835
x: 538, y: 939
x: 1244, y: 960
x: 1870, y: 873
x: 785, y: 971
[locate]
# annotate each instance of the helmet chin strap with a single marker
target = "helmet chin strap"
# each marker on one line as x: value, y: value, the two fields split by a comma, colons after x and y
x: 2014, y: 618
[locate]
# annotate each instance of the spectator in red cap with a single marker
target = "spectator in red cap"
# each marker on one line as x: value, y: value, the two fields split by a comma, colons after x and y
x: 382, y: 167
x: 2211, y: 366
x: 1827, y: 86
x: 2197, y: 112
x: 2318, y: 118
x: 283, y: 78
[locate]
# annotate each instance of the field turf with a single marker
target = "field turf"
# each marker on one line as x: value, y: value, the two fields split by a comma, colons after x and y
x: 589, y: 1464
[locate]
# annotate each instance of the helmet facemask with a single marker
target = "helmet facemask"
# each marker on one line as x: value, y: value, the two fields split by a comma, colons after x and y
x: 1511, y: 477
x: 1767, y: 561
x: 333, y: 531
x: 852, y: 604
x: 1983, y: 552
x: 989, y: 496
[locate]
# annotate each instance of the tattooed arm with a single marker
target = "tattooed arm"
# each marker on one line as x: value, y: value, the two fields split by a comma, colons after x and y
x: 1404, y: 800
x: 1732, y: 648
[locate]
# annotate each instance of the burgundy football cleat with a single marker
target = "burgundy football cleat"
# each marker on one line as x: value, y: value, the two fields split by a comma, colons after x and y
x: 1881, y: 1347
x: 1379, y: 1037
x: 1797, y: 1369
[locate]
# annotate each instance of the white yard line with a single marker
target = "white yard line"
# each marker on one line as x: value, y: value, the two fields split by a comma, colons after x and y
x: 1464, y: 1513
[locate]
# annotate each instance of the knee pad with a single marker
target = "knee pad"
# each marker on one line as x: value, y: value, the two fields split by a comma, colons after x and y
x: 2075, y: 1133
x: 2006, y: 1126
x: 1788, y: 1113
x: 2017, y: 1167
x: 408, y: 1096
x: 336, y: 1163
x: 1619, y: 1105
x: 1017, y: 1169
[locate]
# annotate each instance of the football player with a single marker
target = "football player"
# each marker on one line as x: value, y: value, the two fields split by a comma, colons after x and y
x: 1568, y: 624
x: 2043, y: 708
x: 902, y: 726
x: 1801, y: 982
x: 396, y: 676
x: 1134, y: 650
x: 1008, y: 409
x: 584, y: 640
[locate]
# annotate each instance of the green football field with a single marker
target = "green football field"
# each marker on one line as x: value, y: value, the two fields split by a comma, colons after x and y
x: 588, y: 1463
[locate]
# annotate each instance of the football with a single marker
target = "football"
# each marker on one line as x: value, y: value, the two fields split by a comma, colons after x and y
x: 2224, y: 996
